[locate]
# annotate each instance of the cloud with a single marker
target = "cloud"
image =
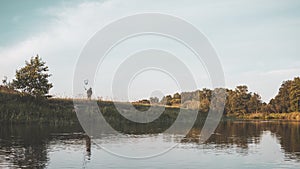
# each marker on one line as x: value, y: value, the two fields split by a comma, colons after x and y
x: 283, y: 72
x: 265, y: 83
x: 250, y: 36
x: 60, y: 43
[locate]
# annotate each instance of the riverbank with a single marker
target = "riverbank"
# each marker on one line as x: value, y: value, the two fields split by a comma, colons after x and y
x: 294, y: 116
x: 20, y: 108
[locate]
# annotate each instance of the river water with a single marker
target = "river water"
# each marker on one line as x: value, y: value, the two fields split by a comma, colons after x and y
x: 234, y: 144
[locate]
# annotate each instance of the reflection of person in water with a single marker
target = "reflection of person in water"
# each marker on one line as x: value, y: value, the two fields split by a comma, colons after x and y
x: 89, y: 93
x: 88, y: 145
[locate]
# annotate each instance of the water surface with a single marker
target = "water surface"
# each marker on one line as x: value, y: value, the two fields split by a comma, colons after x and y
x: 235, y: 144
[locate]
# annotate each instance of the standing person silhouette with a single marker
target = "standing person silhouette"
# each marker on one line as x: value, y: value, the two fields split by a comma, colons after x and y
x: 89, y: 93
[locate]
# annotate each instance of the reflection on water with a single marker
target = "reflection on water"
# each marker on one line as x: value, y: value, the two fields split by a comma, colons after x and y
x: 235, y: 144
x: 242, y: 133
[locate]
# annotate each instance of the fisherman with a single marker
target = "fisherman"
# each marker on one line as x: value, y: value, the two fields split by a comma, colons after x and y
x: 89, y: 93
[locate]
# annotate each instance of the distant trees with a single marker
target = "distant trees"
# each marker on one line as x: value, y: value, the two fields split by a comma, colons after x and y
x: 240, y: 100
x: 294, y: 95
x: 171, y: 101
x: 154, y: 100
x: 254, y: 104
x: 166, y: 100
x: 33, y: 78
x: 288, y: 97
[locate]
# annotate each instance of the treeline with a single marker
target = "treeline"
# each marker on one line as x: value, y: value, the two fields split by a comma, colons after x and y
x: 288, y: 98
x: 240, y: 101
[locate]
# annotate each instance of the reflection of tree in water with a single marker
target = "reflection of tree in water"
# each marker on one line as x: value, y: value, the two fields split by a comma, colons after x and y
x: 229, y: 133
x: 23, y: 150
x: 240, y: 134
x: 289, y: 136
x: 25, y: 146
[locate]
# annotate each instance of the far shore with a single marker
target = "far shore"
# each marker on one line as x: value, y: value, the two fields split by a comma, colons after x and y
x: 294, y: 116
x: 24, y: 108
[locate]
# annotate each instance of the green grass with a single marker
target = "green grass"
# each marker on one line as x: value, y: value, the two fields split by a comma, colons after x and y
x: 16, y: 108
x: 20, y: 108
x: 294, y: 116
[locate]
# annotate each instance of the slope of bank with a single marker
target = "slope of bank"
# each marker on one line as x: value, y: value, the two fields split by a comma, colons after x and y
x: 294, y: 116
x: 18, y: 108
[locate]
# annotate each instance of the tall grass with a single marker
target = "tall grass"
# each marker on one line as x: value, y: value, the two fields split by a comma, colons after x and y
x: 295, y: 116
x: 18, y: 108
x: 25, y: 108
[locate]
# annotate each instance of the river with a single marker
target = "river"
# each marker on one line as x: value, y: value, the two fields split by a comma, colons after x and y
x: 234, y: 144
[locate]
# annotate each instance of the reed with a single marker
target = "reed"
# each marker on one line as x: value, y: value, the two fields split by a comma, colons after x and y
x: 294, y: 116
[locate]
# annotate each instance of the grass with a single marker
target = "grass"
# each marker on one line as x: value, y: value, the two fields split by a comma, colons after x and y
x: 294, y: 116
x: 19, y: 108
x: 16, y: 107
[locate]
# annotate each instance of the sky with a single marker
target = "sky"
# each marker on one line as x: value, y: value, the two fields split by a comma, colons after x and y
x: 257, y: 41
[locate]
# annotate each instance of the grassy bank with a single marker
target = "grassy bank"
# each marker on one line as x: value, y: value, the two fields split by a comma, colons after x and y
x: 295, y: 116
x: 18, y: 108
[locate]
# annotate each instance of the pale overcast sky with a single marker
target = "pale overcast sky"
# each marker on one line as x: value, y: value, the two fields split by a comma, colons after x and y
x: 257, y: 40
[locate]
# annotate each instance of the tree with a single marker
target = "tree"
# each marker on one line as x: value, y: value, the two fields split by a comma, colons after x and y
x: 294, y: 95
x: 154, y: 99
x: 240, y: 99
x: 176, y: 96
x: 254, y: 104
x: 288, y: 98
x: 281, y: 102
x: 204, y: 105
x: 166, y: 100
x: 33, y: 78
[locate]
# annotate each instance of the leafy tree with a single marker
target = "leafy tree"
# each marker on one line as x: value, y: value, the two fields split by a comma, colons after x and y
x: 176, y: 96
x: 287, y: 99
x: 281, y: 103
x: 254, y: 104
x: 166, y: 100
x: 186, y: 96
x: 274, y: 107
x: 294, y: 95
x: 240, y: 99
x: 33, y: 78
x: 229, y: 101
x: 204, y: 105
x: 176, y: 100
x: 154, y: 99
